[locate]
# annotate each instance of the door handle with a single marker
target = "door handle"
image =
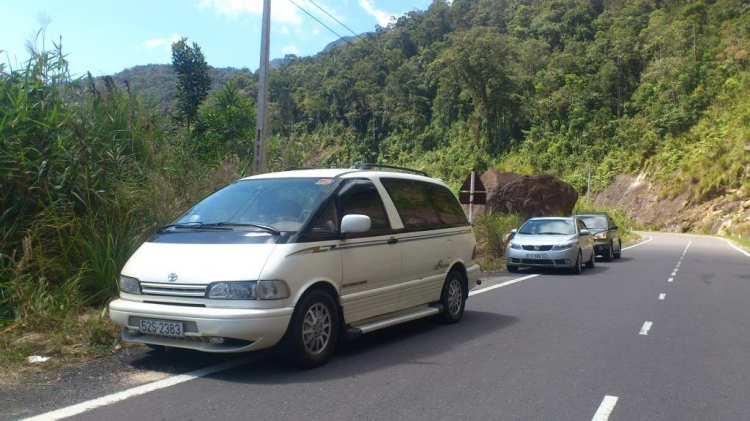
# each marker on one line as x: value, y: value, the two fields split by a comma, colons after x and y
x: 392, y: 240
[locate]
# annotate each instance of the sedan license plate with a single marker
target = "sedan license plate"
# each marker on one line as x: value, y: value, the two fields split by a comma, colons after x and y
x: 536, y: 256
x: 161, y: 327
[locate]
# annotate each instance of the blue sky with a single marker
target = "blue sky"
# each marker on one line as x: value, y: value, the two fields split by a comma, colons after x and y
x: 106, y: 36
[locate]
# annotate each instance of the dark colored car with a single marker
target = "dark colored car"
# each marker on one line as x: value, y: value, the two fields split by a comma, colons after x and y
x: 607, y: 241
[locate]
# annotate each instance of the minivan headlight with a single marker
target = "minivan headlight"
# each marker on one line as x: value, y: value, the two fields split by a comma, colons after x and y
x: 272, y: 290
x: 232, y: 290
x: 129, y: 285
x: 515, y: 246
x: 563, y: 246
x: 248, y: 290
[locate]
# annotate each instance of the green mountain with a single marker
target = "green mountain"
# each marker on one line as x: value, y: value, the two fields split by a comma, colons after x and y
x: 555, y: 86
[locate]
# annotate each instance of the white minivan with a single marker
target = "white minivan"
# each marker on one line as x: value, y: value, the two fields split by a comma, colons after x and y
x: 300, y: 258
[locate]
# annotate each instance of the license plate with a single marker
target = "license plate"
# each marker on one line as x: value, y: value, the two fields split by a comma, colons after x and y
x: 161, y: 327
x: 536, y: 256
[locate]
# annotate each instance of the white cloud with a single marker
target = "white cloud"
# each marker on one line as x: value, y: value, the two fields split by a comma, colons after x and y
x: 315, y: 32
x: 282, y: 12
x: 160, y: 42
x: 290, y: 49
x: 381, y: 16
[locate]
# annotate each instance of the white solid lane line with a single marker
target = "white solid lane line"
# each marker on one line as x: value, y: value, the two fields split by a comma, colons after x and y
x: 605, y: 408
x: 670, y: 279
x: 506, y: 283
x: 646, y: 327
x: 662, y: 296
x: 737, y: 248
x: 139, y: 390
x: 639, y: 244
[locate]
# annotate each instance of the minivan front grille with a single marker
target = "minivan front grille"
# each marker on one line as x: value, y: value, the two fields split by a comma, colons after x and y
x: 173, y: 290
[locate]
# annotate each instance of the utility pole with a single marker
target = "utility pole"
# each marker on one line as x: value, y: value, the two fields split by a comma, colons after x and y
x: 261, y: 123
x: 588, y: 189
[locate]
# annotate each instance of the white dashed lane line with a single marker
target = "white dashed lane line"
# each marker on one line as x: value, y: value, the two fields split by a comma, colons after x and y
x: 645, y: 328
x: 662, y: 296
x: 670, y: 279
x: 605, y: 408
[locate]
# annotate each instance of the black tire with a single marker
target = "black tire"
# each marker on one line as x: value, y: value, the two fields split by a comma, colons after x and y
x: 592, y: 261
x: 453, y: 297
x: 578, y: 268
x: 316, y: 314
x: 619, y: 250
x: 512, y: 269
x: 608, y: 253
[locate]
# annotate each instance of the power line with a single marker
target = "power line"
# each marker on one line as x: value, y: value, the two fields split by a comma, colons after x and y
x: 341, y: 23
x: 326, y: 26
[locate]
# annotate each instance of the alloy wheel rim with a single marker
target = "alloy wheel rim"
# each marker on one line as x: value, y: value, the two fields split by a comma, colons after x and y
x: 455, y: 296
x: 316, y: 328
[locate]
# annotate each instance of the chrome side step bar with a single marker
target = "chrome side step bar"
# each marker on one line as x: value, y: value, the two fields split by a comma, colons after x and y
x: 355, y: 331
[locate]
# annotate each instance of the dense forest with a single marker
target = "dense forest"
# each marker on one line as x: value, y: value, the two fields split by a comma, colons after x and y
x: 559, y: 86
x: 88, y: 167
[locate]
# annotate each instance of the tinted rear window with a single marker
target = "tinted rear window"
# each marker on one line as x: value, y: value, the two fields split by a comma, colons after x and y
x: 424, y: 205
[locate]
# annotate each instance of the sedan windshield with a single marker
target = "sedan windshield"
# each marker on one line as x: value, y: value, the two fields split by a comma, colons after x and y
x: 272, y: 205
x: 595, y: 221
x: 548, y: 227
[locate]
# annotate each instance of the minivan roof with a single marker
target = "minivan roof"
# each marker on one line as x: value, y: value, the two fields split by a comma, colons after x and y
x: 344, y: 173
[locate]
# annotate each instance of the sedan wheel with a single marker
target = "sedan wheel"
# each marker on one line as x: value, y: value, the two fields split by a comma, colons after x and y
x: 619, y: 250
x: 578, y: 268
x: 592, y: 261
x: 608, y: 253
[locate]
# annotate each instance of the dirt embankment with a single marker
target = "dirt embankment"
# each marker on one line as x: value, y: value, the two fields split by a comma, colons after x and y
x: 649, y: 203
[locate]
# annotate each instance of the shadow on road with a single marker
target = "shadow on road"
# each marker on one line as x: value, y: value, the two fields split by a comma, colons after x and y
x: 418, y: 342
x: 563, y: 272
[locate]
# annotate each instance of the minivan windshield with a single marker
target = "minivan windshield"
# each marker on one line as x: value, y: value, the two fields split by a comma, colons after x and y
x: 548, y: 227
x: 271, y: 204
x: 595, y: 221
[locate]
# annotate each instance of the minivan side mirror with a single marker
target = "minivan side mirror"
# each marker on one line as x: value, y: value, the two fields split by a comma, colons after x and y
x: 353, y: 224
x: 585, y: 232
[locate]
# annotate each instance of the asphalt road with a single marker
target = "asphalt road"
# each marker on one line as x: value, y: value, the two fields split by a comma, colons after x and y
x: 549, y: 347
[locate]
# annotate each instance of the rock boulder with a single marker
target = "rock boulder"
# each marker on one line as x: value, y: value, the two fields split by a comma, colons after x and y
x: 537, y: 195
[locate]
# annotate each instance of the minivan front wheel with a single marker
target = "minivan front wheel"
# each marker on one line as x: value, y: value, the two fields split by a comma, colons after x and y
x: 313, y: 330
x: 453, y: 297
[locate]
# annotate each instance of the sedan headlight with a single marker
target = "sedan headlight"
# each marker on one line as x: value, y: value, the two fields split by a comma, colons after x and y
x: 601, y: 236
x: 248, y: 290
x: 563, y: 246
x: 514, y: 246
x: 130, y: 285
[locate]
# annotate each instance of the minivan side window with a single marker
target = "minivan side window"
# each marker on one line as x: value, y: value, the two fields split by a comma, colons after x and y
x: 449, y: 211
x: 366, y: 201
x: 412, y: 203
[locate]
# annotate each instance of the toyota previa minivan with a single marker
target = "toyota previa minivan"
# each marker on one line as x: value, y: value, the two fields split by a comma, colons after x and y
x: 300, y: 259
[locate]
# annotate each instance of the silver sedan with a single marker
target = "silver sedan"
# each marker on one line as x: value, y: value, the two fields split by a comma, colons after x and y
x: 551, y: 243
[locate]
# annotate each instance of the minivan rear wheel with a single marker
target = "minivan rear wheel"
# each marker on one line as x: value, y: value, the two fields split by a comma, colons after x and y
x: 453, y: 297
x: 313, y: 330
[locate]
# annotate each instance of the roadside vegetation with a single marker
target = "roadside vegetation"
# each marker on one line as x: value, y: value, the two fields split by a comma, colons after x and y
x: 88, y: 168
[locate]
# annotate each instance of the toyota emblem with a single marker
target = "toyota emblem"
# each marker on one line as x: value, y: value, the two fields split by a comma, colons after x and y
x: 172, y: 277
x: 535, y: 248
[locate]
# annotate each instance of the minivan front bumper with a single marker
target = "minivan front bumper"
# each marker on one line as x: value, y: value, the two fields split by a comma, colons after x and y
x: 240, y: 329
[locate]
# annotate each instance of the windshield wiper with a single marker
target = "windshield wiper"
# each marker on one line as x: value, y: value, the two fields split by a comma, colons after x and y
x: 187, y: 225
x: 264, y: 227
